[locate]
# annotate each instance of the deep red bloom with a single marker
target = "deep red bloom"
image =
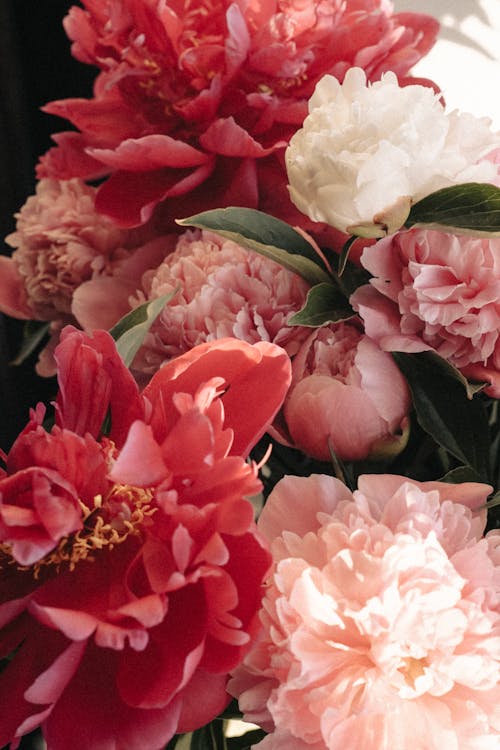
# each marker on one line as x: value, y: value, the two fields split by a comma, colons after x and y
x: 195, y: 102
x: 123, y: 627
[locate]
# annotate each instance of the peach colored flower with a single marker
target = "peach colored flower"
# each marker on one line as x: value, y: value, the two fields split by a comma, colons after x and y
x: 381, y: 619
x: 432, y: 290
x: 224, y: 290
x: 195, y: 102
x: 346, y: 393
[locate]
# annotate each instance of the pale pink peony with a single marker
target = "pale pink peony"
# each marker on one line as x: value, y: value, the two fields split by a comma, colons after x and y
x: 346, y: 394
x: 195, y: 102
x: 223, y: 290
x: 433, y: 290
x: 381, y: 619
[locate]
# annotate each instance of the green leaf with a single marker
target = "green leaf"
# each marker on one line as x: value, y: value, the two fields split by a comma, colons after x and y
x: 461, y: 474
x: 210, y: 737
x: 265, y: 235
x: 472, y: 208
x: 245, y: 741
x: 344, y: 254
x: 445, y: 409
x: 324, y: 304
x: 130, y: 331
x: 34, y: 333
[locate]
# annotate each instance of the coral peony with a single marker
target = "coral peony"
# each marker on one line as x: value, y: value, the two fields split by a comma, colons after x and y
x: 130, y: 563
x: 223, y: 290
x: 366, y: 152
x: 346, y: 394
x: 200, y: 99
x: 381, y: 619
x: 433, y: 290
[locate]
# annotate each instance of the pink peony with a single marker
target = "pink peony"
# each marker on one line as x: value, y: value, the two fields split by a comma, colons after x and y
x: 436, y: 291
x: 224, y: 290
x: 348, y: 394
x: 381, y: 619
x: 60, y: 244
x: 120, y: 632
x: 195, y: 103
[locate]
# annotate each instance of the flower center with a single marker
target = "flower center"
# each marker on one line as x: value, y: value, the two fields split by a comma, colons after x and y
x: 106, y: 524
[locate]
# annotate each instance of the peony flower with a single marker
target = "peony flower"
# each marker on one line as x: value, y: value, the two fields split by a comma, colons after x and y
x: 381, y: 619
x: 60, y: 244
x: 121, y: 632
x: 436, y: 291
x: 366, y: 152
x: 194, y: 103
x: 223, y: 290
x: 346, y: 395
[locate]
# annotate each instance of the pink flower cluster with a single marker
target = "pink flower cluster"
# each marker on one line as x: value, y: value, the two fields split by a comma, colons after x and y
x: 436, y: 291
x: 195, y: 102
x: 130, y: 564
x: 222, y: 290
x: 381, y: 619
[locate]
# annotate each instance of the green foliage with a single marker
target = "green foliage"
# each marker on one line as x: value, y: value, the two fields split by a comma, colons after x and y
x: 324, y: 304
x: 472, y: 208
x: 130, y: 331
x: 34, y: 334
x: 447, y: 410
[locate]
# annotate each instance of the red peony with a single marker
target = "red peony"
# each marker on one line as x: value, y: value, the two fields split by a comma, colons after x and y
x: 130, y: 564
x: 195, y: 102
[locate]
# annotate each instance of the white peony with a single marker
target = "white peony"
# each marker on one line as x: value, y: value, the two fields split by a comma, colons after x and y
x: 365, y: 152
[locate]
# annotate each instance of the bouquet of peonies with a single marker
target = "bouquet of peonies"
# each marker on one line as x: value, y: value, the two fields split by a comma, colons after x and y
x: 264, y: 265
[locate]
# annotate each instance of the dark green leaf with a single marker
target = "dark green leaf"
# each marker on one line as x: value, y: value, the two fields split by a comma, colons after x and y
x: 34, y: 334
x: 473, y: 208
x: 344, y: 254
x: 245, y: 741
x: 210, y: 737
x: 461, y: 474
x: 445, y: 411
x: 324, y: 304
x: 494, y: 501
x: 265, y: 235
x: 130, y: 331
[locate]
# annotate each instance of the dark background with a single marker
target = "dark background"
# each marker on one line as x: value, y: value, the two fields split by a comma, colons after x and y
x: 35, y: 67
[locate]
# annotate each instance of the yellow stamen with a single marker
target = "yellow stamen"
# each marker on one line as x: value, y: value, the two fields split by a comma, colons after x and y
x: 106, y: 523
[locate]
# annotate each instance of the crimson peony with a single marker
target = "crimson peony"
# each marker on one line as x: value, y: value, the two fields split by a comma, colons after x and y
x: 130, y: 565
x: 195, y: 102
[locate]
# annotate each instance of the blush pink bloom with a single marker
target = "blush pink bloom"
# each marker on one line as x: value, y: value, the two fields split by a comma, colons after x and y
x: 195, y: 103
x: 381, y: 618
x: 121, y: 632
x: 348, y: 394
x: 436, y: 291
x: 222, y: 290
